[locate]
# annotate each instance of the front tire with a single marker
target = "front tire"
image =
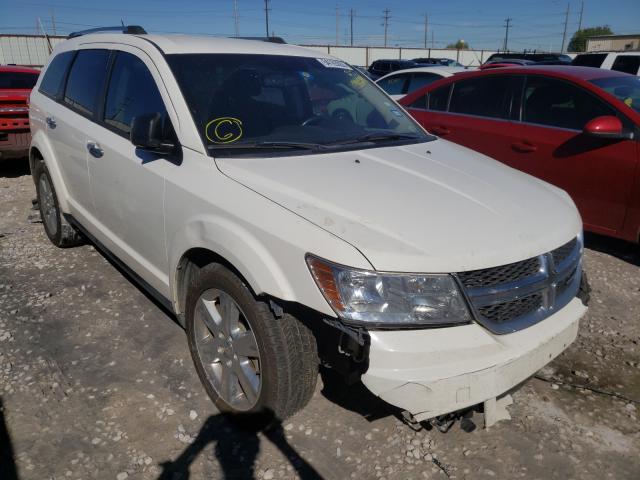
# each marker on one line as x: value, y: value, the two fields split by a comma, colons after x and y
x: 60, y: 232
x: 253, y: 366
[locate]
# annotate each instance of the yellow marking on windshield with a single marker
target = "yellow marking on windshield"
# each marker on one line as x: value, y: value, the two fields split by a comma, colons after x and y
x: 223, y: 130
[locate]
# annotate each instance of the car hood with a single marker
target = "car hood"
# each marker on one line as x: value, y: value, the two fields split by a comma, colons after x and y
x: 430, y: 207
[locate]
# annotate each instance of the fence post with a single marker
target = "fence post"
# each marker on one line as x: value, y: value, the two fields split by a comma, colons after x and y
x: 366, y: 56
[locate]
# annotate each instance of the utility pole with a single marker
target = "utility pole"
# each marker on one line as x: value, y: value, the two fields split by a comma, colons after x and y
x: 580, y: 19
x: 507, y: 24
x: 433, y: 42
x: 564, y: 34
x: 266, y: 16
x: 236, y: 20
x: 53, y: 22
x: 426, y: 29
x: 351, y: 13
x: 387, y: 15
x: 337, y: 25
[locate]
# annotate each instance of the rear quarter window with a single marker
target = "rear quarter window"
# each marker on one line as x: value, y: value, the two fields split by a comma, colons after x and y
x: 52, y: 81
x: 627, y: 63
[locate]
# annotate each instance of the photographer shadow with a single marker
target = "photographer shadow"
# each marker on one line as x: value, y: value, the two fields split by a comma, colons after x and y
x: 236, y: 450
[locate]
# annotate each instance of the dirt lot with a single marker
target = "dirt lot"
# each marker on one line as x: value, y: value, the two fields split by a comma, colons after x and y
x: 96, y: 381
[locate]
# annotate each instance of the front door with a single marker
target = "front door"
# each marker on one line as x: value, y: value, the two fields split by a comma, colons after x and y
x: 127, y: 183
x: 549, y: 144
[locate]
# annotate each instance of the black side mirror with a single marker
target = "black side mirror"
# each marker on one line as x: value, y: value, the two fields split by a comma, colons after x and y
x: 149, y: 132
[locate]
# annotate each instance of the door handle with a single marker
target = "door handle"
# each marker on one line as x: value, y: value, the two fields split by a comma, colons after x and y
x: 94, y: 149
x: 51, y: 122
x: 441, y: 130
x: 524, y: 147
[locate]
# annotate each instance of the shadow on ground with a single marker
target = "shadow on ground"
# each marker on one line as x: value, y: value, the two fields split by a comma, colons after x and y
x: 8, y: 470
x: 14, y: 167
x: 236, y: 450
x: 626, y: 251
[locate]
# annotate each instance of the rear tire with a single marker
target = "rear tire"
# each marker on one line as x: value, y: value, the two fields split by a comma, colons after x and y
x: 270, y: 364
x: 60, y: 232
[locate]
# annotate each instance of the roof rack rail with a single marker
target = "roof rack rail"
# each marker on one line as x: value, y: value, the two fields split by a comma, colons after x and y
x: 129, y: 29
x: 270, y: 39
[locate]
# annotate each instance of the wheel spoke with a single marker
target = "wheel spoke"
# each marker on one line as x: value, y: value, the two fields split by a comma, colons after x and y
x: 248, y: 380
x: 211, y: 317
x: 245, y: 345
x: 230, y: 314
x: 225, y: 382
x: 209, y: 350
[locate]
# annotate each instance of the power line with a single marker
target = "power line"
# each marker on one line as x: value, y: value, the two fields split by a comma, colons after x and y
x: 564, y: 33
x: 387, y: 15
x: 507, y: 24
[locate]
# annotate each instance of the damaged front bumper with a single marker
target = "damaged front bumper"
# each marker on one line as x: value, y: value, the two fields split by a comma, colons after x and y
x: 430, y: 373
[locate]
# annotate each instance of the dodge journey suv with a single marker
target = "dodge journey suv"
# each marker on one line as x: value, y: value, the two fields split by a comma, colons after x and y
x: 292, y: 215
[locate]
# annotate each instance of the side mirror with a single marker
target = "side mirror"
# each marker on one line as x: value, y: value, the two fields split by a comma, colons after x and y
x: 606, y: 126
x: 149, y: 133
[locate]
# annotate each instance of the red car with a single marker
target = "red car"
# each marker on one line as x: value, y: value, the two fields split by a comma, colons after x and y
x: 15, y: 87
x: 575, y: 127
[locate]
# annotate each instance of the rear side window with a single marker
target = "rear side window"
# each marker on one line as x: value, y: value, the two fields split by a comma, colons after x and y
x: 393, y: 85
x: 627, y: 64
x: 419, y: 80
x: 51, y: 84
x: 86, y: 78
x: 552, y: 102
x: 589, y: 60
x: 132, y: 91
x: 439, y: 98
x: 483, y: 96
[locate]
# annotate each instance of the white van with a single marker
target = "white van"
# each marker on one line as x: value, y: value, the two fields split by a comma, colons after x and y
x: 628, y: 62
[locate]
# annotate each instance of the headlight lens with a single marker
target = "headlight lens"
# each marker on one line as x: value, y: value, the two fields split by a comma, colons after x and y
x: 389, y: 299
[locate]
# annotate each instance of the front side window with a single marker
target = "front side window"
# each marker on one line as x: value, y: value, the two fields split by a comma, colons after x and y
x: 18, y: 80
x: 627, y: 64
x: 86, y: 78
x: 132, y: 91
x: 626, y: 89
x: 266, y: 101
x: 51, y: 83
x: 393, y: 85
x: 556, y: 103
x: 483, y: 96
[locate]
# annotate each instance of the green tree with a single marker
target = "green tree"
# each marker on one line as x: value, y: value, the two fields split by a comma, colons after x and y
x: 578, y: 42
x: 460, y: 45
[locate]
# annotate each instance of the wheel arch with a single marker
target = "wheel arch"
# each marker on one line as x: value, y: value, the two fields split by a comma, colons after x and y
x: 40, y: 149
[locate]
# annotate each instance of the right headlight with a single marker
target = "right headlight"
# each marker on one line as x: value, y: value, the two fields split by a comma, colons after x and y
x: 389, y: 299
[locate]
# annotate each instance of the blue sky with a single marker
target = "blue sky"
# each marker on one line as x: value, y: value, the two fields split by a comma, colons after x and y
x: 536, y: 24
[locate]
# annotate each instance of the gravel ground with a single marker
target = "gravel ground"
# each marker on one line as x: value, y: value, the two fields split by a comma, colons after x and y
x: 96, y: 381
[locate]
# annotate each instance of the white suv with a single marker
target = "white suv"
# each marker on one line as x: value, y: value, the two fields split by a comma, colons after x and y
x: 291, y: 214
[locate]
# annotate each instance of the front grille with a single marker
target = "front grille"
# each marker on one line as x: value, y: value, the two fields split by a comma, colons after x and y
x: 561, y: 253
x: 512, y: 297
x: 498, y: 275
x: 506, y: 311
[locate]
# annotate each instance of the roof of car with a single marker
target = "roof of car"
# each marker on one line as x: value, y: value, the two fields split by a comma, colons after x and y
x: 567, y: 71
x: 16, y: 69
x: 440, y: 70
x: 170, y: 44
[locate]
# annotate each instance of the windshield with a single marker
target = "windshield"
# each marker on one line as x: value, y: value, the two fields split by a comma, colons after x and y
x: 626, y: 89
x: 252, y: 101
x: 18, y: 80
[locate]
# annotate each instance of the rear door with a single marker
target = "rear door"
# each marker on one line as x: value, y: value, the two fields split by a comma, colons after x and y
x: 473, y: 112
x: 549, y: 144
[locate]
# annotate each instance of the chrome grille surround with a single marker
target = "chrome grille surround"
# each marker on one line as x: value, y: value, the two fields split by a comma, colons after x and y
x: 524, y: 300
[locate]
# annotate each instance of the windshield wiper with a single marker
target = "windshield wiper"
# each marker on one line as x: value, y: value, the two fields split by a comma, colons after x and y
x: 267, y: 146
x: 378, y: 137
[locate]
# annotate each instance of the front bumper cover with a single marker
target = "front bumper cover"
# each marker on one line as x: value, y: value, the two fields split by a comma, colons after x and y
x: 432, y: 372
